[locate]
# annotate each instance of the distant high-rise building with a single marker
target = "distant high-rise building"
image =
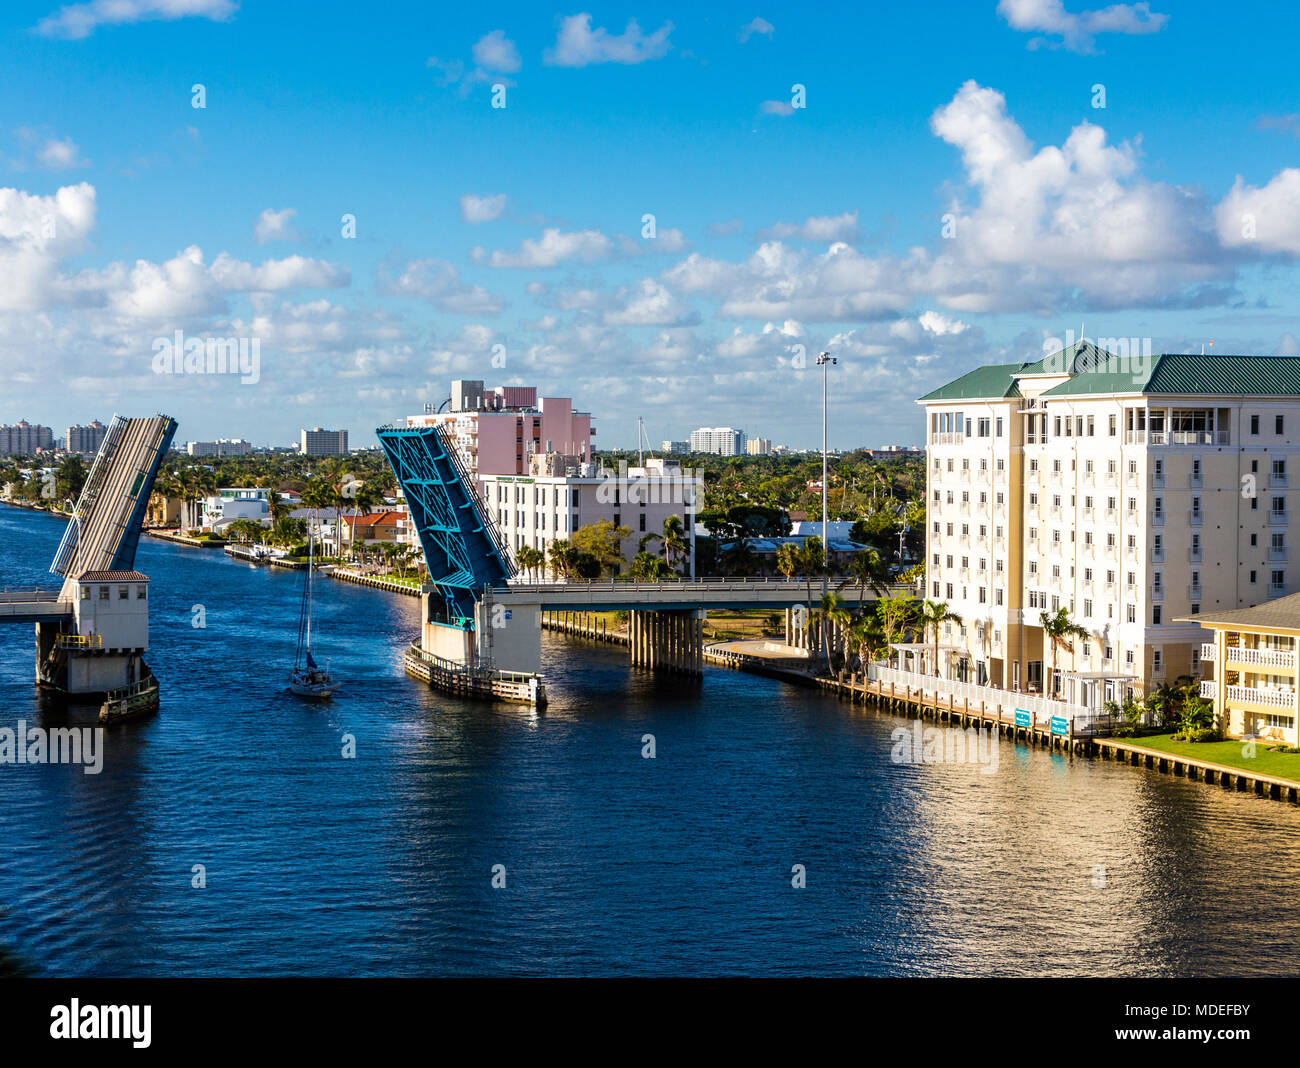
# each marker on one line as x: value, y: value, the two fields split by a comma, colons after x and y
x: 220, y: 447
x: 758, y: 446
x: 497, y: 431
x: 318, y: 442
x: 675, y: 447
x: 719, y: 440
x: 86, y: 438
x: 24, y: 438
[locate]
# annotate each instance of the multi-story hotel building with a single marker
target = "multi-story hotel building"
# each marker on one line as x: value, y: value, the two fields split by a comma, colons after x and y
x: 1131, y: 491
x: 497, y: 431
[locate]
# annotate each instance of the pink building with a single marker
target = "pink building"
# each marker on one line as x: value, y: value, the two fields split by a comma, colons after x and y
x: 496, y: 431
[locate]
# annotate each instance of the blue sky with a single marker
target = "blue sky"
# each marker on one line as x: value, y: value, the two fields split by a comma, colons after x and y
x: 1172, y: 213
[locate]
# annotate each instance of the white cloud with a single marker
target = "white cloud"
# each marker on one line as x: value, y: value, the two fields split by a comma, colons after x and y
x: 776, y: 107
x: 496, y: 52
x: 936, y: 323
x: 1078, y: 31
x: 648, y: 304
x: 78, y: 21
x: 753, y: 26
x: 476, y: 209
x: 823, y: 229
x: 60, y: 155
x: 578, y: 45
x: 275, y: 226
x: 1266, y: 218
x: 555, y: 247
x: 438, y: 282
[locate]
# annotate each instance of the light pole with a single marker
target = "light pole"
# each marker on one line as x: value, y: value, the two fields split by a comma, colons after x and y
x: 824, y: 361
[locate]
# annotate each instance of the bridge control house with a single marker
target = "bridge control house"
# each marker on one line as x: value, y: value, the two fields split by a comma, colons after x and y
x: 111, y: 624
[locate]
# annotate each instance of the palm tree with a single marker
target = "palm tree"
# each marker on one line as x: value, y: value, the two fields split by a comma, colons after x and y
x: 868, y: 635
x: 529, y: 559
x: 933, y: 615
x: 832, y: 610
x: 564, y: 557
x: 676, y: 545
x: 812, y: 561
x: 1058, y: 629
x: 866, y: 571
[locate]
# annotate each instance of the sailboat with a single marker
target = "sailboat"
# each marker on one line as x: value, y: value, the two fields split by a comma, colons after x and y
x: 309, y: 679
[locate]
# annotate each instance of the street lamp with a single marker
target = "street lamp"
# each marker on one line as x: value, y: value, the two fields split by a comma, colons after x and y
x: 824, y: 361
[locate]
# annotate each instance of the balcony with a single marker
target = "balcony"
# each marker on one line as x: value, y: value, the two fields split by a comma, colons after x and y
x: 1196, y: 592
x: 1277, y: 555
x: 1278, y: 480
x: 1195, y: 482
x: 1276, y: 589
x: 1271, y: 658
x: 1195, y: 518
x: 1207, y: 652
x: 1277, y: 518
x: 1207, y: 688
x: 1157, y: 593
x: 1158, y: 519
x: 1158, y: 556
x: 1194, y: 556
x: 1200, y: 437
x: 1271, y: 696
x: 1157, y: 481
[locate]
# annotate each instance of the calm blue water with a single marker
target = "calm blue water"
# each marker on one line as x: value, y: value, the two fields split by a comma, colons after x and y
x: 615, y: 864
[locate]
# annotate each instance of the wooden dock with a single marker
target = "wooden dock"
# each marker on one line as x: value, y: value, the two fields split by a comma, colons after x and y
x: 1002, y: 720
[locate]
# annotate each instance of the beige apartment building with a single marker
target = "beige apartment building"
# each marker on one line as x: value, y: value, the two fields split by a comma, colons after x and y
x: 1133, y: 491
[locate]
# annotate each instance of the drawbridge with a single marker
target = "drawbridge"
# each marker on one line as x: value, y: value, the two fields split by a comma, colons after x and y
x: 93, y: 631
x: 461, y: 548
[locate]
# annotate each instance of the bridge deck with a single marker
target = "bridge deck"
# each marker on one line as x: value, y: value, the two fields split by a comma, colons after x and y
x: 611, y: 596
x: 33, y: 606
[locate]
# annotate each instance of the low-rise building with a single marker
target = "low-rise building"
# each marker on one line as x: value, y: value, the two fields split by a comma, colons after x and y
x: 1253, y: 656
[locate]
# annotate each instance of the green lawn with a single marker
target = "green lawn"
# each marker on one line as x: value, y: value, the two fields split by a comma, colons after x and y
x: 1265, y: 762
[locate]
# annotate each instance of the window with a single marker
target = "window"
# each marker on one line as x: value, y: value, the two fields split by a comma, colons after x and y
x: 642, y: 522
x: 999, y: 426
x: 1279, y: 506
x: 1087, y: 607
x: 1254, y: 424
x: 85, y: 593
x: 103, y: 593
x: 1132, y: 613
x: 1277, y: 424
x: 1155, y: 615
x: 984, y: 427
x: 1252, y: 577
x: 997, y: 594
x: 1114, y: 425
x: 1091, y: 426
x: 141, y: 593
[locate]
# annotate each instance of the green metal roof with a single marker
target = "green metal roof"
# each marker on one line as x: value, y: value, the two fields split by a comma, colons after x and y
x: 1096, y: 371
x: 993, y: 382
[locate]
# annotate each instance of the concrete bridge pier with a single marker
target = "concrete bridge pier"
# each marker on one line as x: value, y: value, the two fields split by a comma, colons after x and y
x: 667, y: 640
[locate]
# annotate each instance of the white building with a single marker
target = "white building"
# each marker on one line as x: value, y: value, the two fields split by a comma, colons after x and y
x: 220, y: 447
x: 1129, y: 490
x: 318, y: 442
x: 537, y: 510
x: 758, y: 447
x: 718, y: 440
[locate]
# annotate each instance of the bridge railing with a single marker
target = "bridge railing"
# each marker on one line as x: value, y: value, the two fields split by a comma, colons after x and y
x: 30, y: 595
x: 721, y: 584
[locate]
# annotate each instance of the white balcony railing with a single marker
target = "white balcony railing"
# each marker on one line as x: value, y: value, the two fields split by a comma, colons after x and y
x: 1207, y: 652
x: 1272, y: 696
x: 1236, y: 654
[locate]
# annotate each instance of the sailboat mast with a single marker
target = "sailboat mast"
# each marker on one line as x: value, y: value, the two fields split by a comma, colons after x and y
x: 310, y: 543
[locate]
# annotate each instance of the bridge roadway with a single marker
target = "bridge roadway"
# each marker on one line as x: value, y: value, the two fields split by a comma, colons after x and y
x: 668, y: 596
x: 33, y: 605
